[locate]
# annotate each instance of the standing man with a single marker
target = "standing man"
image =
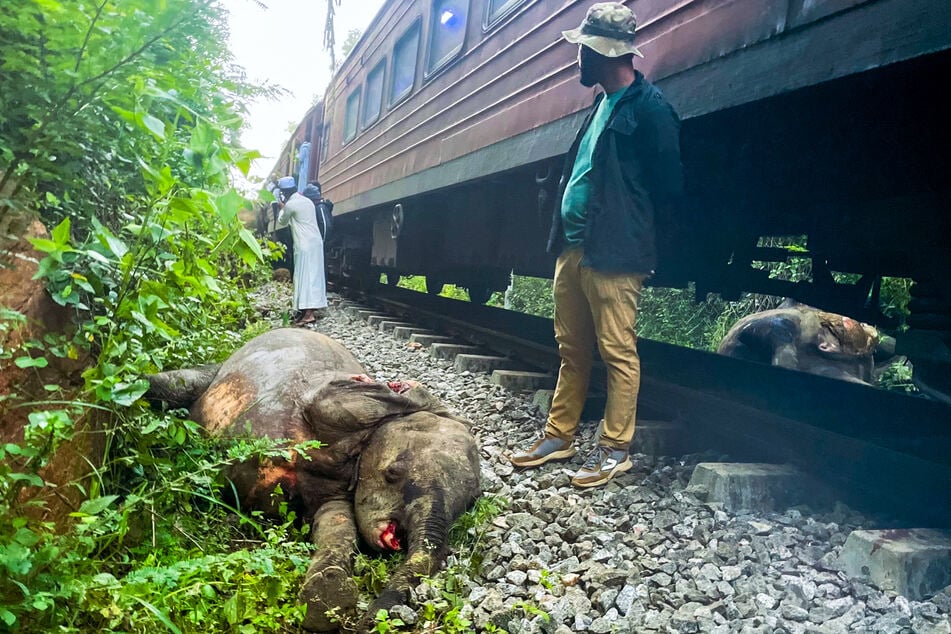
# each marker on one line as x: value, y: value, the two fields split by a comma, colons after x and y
x: 622, y: 176
x: 310, y: 285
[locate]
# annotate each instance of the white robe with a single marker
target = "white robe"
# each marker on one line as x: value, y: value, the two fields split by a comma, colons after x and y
x: 310, y: 285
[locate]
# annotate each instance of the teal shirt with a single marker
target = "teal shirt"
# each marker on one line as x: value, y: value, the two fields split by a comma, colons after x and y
x: 574, y: 205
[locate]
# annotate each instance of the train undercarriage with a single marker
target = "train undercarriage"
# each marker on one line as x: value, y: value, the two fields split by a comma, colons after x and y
x: 857, y: 168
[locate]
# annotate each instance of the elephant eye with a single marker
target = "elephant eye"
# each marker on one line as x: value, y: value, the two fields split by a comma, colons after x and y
x: 395, y: 472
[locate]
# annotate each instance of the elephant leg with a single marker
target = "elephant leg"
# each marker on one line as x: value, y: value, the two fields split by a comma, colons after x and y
x: 420, y: 563
x: 328, y: 584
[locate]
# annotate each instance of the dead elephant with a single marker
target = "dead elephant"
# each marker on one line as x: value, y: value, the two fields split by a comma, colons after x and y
x: 396, y: 467
x: 800, y: 337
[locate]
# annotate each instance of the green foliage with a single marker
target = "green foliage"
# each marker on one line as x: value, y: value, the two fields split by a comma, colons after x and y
x: 896, y: 293
x: 418, y: 283
x: 160, y: 551
x: 532, y: 295
x: 372, y: 573
x: 90, y: 91
x: 383, y: 624
x: 897, y: 376
x: 118, y: 121
x: 467, y: 531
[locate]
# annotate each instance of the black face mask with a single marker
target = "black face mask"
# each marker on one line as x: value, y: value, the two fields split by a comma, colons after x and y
x: 589, y: 63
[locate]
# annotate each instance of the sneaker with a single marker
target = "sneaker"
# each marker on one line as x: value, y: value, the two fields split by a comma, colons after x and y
x: 602, y: 464
x: 544, y: 450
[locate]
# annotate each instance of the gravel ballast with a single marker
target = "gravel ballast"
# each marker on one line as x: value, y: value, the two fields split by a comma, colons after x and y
x: 639, y: 554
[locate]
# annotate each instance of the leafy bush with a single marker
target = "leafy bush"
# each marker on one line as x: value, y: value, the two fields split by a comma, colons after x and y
x: 119, y: 123
x: 418, y: 283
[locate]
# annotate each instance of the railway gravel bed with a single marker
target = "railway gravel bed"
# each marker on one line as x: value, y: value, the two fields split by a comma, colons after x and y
x: 640, y: 554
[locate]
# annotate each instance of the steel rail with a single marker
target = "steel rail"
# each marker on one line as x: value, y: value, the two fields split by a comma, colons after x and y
x: 881, y: 451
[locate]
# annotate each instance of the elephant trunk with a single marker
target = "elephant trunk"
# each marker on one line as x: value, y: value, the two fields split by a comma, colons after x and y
x: 427, y: 537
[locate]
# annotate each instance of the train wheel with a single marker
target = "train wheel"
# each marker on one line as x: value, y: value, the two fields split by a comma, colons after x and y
x: 434, y: 285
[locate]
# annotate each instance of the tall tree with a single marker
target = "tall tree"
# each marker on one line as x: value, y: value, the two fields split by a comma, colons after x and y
x: 330, y: 40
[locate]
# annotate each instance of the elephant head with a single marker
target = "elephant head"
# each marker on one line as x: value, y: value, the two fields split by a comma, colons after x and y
x: 416, y: 477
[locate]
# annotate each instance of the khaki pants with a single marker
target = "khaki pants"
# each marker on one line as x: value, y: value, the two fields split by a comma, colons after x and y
x: 593, y: 307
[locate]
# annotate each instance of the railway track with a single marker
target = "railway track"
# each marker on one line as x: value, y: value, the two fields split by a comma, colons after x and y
x: 879, y: 451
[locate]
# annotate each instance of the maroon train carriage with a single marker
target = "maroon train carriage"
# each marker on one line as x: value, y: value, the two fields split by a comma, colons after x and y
x: 441, y: 138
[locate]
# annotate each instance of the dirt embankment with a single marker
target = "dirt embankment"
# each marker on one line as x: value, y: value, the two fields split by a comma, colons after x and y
x: 21, y: 386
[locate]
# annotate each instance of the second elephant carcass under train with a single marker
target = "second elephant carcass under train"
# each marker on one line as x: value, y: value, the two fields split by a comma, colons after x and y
x: 800, y: 337
x: 395, y: 466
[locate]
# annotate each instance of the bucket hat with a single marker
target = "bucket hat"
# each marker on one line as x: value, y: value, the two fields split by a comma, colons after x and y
x: 608, y: 28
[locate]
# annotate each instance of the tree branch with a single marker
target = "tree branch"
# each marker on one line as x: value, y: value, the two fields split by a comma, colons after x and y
x: 92, y: 25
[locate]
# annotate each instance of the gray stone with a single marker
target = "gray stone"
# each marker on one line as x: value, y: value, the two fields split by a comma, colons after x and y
x: 477, y: 595
x: 730, y: 573
x: 915, y: 563
x: 800, y: 592
x: 685, y: 618
x: 606, y: 575
x: 450, y: 350
x: 625, y: 599
x: 942, y: 600
x: 659, y: 438
x: 403, y: 613
x: 542, y: 400
x: 374, y: 320
x: 664, y: 519
x: 481, y: 362
x: 516, y: 577
x: 794, y: 613
x: 427, y: 340
x: 517, y: 381
x: 607, y: 598
x: 389, y: 325
x: 765, y: 601
x: 405, y: 332
x: 738, y: 487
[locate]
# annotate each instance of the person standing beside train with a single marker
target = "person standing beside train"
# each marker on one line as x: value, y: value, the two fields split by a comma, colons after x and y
x: 622, y: 177
x: 310, y: 283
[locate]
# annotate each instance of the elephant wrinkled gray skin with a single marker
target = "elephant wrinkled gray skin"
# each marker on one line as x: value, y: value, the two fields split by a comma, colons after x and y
x: 397, y: 468
x: 800, y: 337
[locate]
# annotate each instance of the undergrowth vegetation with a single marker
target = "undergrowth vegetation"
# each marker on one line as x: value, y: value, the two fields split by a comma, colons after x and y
x: 118, y: 125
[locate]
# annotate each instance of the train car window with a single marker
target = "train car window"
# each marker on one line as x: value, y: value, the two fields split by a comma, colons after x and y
x: 448, y: 32
x: 373, y: 99
x: 404, y: 64
x: 350, y: 116
x: 498, y: 10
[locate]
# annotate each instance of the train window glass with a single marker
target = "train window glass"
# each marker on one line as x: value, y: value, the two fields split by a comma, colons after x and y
x: 497, y: 10
x: 373, y: 99
x: 447, y: 33
x: 350, y: 116
x: 404, y: 64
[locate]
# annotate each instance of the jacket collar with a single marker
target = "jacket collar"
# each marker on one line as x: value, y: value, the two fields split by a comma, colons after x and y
x: 636, y: 86
x: 630, y: 92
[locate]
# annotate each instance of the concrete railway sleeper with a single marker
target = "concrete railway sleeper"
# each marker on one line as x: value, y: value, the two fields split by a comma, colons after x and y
x: 687, y: 540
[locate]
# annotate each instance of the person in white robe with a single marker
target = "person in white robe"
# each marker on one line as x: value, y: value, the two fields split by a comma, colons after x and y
x: 310, y: 284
